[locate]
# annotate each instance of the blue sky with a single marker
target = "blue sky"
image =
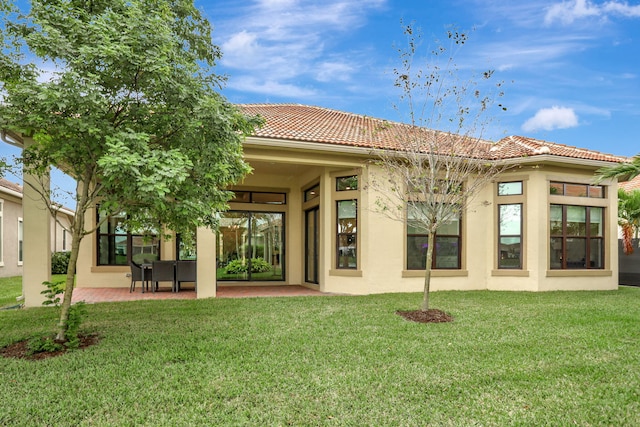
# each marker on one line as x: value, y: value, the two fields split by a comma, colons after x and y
x: 572, y: 67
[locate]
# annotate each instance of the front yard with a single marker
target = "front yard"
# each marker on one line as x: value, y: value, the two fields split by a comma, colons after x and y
x: 558, y: 358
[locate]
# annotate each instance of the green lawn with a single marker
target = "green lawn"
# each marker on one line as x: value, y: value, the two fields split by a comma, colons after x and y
x: 11, y: 288
x: 522, y: 359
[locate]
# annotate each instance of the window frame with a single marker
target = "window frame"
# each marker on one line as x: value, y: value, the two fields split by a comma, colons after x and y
x: 561, y: 189
x: 128, y: 245
x: 339, y: 194
x: 588, y: 238
x: 353, y: 235
x: 520, y: 236
x: 425, y: 235
x: 249, y: 215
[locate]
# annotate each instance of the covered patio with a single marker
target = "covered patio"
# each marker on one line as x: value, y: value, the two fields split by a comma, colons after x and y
x: 93, y: 295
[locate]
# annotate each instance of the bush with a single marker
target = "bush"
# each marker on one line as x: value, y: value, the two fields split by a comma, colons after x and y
x: 60, y: 262
x: 259, y: 265
x: 238, y: 266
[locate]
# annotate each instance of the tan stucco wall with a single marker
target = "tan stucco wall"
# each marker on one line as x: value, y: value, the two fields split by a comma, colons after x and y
x: 381, y: 241
x: 36, y: 247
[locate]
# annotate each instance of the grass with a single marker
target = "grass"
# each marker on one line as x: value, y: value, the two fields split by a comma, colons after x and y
x: 557, y: 358
x: 11, y: 288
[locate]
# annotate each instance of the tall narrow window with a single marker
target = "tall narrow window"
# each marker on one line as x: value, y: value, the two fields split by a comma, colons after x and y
x: 446, y: 254
x: 64, y: 239
x: 186, y: 247
x: 347, y: 234
x: 112, y: 241
x: 577, y: 237
x: 510, y: 236
x: 20, y: 241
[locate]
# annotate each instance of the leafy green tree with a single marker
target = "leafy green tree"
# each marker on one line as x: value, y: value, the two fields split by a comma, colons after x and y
x: 439, y: 161
x: 131, y: 110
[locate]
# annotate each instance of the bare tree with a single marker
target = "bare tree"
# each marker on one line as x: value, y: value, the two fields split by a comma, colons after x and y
x: 429, y: 177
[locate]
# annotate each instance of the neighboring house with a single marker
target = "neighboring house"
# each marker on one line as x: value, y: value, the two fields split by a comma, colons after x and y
x: 12, y: 229
x: 305, y: 216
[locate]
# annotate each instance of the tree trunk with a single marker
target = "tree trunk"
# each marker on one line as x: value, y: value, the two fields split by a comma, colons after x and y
x: 427, y: 273
x: 627, y: 236
x: 77, y: 229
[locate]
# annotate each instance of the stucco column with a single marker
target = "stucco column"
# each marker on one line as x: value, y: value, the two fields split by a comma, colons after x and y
x: 36, y: 249
x: 206, y: 270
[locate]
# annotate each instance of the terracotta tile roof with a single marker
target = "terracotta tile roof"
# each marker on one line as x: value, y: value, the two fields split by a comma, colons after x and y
x: 10, y: 185
x: 522, y: 146
x: 633, y: 184
x: 295, y: 122
x: 323, y: 125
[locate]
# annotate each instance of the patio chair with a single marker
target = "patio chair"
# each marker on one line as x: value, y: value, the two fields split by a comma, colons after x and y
x: 139, y: 274
x: 163, y: 271
x: 186, y: 272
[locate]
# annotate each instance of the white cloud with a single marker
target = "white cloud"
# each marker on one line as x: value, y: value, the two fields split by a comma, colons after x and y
x: 281, y: 41
x: 569, y: 11
x: 551, y: 118
x: 622, y: 9
x: 270, y: 87
x: 334, y: 71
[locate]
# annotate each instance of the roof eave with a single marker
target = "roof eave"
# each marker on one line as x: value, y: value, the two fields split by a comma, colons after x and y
x: 11, y: 138
x: 307, y: 145
x: 549, y: 158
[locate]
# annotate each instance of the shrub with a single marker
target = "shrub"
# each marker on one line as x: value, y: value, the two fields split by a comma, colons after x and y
x: 238, y: 266
x: 259, y: 265
x: 60, y: 262
x: 77, y: 313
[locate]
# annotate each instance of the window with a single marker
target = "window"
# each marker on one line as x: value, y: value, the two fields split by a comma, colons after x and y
x: 510, y: 188
x: 64, y: 239
x: 312, y: 193
x: 347, y: 183
x: 117, y: 247
x: 446, y: 254
x: 250, y: 246
x: 20, y: 241
x: 510, y: 236
x: 576, y: 190
x: 577, y: 237
x: 186, y: 247
x: 259, y: 197
x: 347, y: 234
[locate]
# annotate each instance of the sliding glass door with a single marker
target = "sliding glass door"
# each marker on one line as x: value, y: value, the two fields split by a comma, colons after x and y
x: 250, y: 246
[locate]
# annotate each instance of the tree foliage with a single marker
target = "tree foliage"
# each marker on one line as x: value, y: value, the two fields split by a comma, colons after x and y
x: 622, y: 171
x: 439, y: 161
x: 628, y: 216
x: 122, y: 96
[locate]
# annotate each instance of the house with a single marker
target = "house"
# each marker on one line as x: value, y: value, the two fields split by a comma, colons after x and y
x: 305, y: 217
x: 11, y: 229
